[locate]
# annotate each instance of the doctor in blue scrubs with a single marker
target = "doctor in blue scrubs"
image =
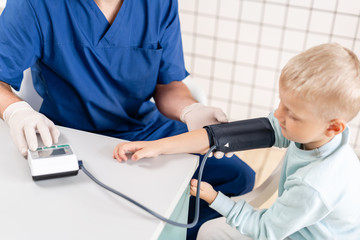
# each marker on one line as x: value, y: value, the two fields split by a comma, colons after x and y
x: 97, y: 64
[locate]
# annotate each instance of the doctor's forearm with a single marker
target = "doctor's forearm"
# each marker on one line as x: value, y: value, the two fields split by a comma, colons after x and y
x: 7, y: 97
x: 172, y: 98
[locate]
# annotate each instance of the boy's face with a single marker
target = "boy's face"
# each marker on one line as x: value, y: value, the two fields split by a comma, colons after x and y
x: 299, y: 121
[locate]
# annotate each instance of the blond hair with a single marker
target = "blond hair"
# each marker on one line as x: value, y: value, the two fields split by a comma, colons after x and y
x: 327, y: 75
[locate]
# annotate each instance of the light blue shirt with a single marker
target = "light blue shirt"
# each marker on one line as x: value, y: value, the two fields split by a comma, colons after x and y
x: 319, y: 196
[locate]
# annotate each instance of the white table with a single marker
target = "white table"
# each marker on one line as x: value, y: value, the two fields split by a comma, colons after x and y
x: 76, y: 208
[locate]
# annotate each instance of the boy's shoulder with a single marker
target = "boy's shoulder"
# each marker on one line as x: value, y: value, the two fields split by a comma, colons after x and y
x: 333, y: 175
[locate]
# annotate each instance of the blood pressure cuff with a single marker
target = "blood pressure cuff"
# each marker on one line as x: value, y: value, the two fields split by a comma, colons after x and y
x: 241, y: 135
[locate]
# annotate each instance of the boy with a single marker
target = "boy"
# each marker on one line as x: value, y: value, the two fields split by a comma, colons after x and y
x: 319, y: 188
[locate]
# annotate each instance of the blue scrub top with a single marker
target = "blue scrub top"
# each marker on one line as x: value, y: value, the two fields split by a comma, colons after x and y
x: 92, y: 75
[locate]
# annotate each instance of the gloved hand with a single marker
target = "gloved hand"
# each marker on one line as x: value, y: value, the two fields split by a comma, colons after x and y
x: 197, y: 115
x: 24, y: 122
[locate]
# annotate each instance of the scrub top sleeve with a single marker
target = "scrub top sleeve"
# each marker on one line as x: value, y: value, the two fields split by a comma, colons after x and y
x: 20, y: 41
x: 172, y: 66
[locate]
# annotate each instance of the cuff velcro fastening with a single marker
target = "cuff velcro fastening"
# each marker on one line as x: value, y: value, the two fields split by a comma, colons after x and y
x: 241, y: 135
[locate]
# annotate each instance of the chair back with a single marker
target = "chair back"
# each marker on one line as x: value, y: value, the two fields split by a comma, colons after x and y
x: 28, y: 93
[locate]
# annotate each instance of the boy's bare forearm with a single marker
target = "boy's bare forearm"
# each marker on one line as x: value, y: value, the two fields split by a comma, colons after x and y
x: 7, y: 97
x: 189, y: 142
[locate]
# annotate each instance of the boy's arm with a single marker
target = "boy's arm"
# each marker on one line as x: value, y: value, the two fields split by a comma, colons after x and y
x: 285, y: 217
x: 227, y: 137
x: 189, y: 142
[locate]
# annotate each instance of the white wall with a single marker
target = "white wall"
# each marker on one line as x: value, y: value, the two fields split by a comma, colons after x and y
x: 236, y: 48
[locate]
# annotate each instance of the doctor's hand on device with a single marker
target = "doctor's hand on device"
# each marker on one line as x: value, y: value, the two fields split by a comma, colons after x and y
x: 197, y: 115
x: 24, y: 122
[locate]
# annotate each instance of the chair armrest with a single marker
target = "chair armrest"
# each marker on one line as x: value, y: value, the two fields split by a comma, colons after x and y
x: 196, y: 90
x: 262, y: 193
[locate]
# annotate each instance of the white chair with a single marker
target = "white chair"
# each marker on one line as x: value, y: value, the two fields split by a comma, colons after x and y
x: 2, y: 5
x: 28, y: 92
x: 195, y: 89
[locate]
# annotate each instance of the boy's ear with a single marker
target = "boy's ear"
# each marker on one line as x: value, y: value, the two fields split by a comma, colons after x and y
x: 335, y: 127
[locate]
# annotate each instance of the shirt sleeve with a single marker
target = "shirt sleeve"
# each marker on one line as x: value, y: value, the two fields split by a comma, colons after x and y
x: 20, y: 41
x: 286, y: 216
x: 280, y: 140
x: 172, y: 65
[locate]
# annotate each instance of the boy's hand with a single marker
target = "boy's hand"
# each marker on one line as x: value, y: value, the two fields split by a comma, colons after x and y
x: 207, y: 192
x: 140, y: 150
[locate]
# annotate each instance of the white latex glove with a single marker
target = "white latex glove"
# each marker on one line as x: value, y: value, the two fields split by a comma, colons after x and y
x: 197, y: 115
x: 24, y: 122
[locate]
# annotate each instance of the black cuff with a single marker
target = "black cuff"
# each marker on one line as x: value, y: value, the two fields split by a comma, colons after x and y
x: 241, y: 135
x: 210, y: 136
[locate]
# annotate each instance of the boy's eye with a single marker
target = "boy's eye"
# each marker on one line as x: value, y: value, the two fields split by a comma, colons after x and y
x: 292, y: 117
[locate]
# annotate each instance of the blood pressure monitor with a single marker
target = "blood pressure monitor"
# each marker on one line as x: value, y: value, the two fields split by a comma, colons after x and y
x: 53, y: 162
